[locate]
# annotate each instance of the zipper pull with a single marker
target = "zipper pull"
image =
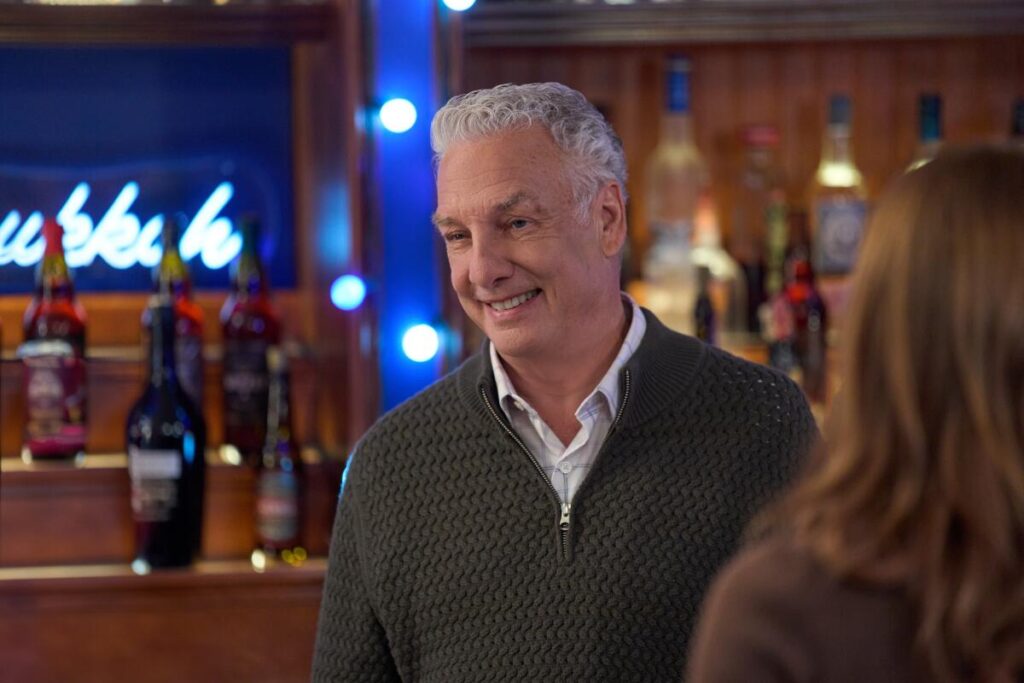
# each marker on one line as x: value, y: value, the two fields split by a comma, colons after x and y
x: 563, y: 523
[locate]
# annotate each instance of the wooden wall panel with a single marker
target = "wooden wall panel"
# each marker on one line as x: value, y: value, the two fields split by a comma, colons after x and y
x: 786, y: 85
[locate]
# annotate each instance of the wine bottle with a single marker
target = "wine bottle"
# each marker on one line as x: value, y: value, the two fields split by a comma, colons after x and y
x: 810, y: 321
x: 929, y: 130
x: 166, y: 444
x: 279, y: 478
x: 676, y: 178
x: 171, y: 279
x: 704, y: 310
x: 838, y: 198
x: 250, y: 326
x: 53, y: 357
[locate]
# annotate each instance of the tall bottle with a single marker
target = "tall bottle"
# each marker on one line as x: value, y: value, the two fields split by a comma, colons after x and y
x: 171, y: 279
x: 759, y: 212
x: 250, y: 326
x: 279, y: 478
x: 1017, y: 123
x: 166, y: 443
x: 704, y: 311
x: 726, y: 286
x: 838, y: 199
x: 53, y: 356
x: 929, y: 130
x: 676, y: 178
x: 810, y: 321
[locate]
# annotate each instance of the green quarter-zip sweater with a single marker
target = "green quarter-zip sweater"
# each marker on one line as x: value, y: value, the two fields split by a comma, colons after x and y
x: 453, y: 560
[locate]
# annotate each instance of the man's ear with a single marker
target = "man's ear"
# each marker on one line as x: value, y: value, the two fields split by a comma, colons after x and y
x: 612, y: 214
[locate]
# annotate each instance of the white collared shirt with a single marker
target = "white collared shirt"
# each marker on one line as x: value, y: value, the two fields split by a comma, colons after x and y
x: 567, y: 465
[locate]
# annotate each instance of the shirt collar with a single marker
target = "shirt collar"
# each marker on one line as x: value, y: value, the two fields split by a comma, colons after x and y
x: 609, y: 384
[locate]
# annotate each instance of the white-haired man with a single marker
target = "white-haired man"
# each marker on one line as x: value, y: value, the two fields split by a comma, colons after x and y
x: 554, y: 509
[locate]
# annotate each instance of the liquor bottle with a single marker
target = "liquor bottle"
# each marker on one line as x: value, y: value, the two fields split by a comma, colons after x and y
x: 53, y: 356
x: 809, y: 322
x: 250, y: 326
x: 166, y: 443
x: 759, y: 208
x: 171, y: 279
x: 1017, y: 123
x: 704, y: 310
x: 676, y: 178
x: 838, y: 200
x: 279, y: 478
x: 929, y: 130
x: 725, y: 286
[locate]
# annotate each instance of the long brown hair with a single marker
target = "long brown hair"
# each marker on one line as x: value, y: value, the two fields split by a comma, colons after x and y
x: 921, y: 477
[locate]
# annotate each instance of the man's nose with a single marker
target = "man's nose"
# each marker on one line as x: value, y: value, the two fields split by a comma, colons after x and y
x: 489, y: 263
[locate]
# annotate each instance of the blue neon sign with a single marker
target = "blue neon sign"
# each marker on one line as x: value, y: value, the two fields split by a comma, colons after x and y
x: 112, y: 139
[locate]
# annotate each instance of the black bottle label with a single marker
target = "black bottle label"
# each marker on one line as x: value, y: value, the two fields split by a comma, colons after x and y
x: 245, y: 385
x: 155, y: 476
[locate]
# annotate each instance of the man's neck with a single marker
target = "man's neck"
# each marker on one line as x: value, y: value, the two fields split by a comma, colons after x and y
x: 555, y: 386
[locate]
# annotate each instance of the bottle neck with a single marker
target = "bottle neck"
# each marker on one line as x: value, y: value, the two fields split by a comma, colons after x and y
x: 54, y: 280
x: 837, y: 168
x: 161, y: 347
x: 172, y: 277
x: 249, y: 280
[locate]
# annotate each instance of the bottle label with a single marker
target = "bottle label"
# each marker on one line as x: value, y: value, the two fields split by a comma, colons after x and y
x: 245, y: 385
x: 188, y: 351
x: 155, y: 476
x: 55, y: 400
x: 840, y: 229
x: 277, y: 507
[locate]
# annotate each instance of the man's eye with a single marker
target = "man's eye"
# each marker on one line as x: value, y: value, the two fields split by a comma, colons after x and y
x: 518, y: 223
x: 454, y: 236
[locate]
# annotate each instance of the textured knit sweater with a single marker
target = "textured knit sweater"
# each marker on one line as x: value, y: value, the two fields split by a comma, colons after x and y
x: 451, y: 558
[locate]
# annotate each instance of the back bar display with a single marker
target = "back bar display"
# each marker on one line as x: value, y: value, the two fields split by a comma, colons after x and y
x: 111, y: 139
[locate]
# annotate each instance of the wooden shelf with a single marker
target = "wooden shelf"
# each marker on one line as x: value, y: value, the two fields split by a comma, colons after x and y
x: 524, y: 23
x: 81, y: 513
x: 231, y: 23
x: 216, y: 621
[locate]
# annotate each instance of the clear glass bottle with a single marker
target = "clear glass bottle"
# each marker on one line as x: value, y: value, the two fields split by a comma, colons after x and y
x: 838, y: 198
x: 53, y: 357
x: 166, y: 443
x: 676, y: 177
x: 250, y: 326
x: 929, y: 130
x: 759, y: 211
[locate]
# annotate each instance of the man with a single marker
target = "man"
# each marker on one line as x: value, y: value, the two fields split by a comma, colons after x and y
x: 554, y: 509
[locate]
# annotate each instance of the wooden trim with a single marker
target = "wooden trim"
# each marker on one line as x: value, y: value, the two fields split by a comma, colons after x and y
x: 518, y: 24
x: 229, y: 24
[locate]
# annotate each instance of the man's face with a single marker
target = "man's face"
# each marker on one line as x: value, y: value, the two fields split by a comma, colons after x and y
x: 526, y: 269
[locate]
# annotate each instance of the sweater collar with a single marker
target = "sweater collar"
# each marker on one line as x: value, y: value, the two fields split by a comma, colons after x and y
x: 661, y: 371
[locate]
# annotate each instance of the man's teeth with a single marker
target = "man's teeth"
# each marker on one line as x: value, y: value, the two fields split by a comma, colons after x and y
x: 508, y: 304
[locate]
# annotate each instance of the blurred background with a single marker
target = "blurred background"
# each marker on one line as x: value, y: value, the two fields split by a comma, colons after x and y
x: 264, y: 168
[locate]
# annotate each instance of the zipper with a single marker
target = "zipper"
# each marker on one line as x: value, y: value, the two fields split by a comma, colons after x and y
x: 564, y: 519
x: 565, y: 509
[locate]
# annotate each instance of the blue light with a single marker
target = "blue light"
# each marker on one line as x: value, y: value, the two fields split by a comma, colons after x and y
x: 348, y: 292
x: 459, y: 5
x: 421, y: 343
x: 398, y: 115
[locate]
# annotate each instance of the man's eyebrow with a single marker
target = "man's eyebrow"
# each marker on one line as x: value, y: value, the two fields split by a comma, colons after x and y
x: 513, y: 201
x: 440, y: 221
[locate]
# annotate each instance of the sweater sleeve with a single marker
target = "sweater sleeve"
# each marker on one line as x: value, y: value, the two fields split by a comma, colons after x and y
x: 351, y: 644
x: 750, y: 629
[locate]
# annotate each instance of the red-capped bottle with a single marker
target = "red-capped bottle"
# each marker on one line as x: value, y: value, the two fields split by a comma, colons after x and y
x: 809, y: 321
x: 250, y: 327
x: 53, y: 357
x: 171, y: 280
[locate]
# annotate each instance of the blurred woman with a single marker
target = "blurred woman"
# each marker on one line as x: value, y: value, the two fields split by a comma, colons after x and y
x: 899, y: 555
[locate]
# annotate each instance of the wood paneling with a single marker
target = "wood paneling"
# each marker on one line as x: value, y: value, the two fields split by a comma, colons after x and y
x: 218, y: 621
x: 786, y: 85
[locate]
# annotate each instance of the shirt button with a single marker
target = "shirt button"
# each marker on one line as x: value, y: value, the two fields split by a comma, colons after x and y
x: 565, y: 467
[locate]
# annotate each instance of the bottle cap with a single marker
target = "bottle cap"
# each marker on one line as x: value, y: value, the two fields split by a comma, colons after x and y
x: 930, y: 110
x: 839, y: 110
